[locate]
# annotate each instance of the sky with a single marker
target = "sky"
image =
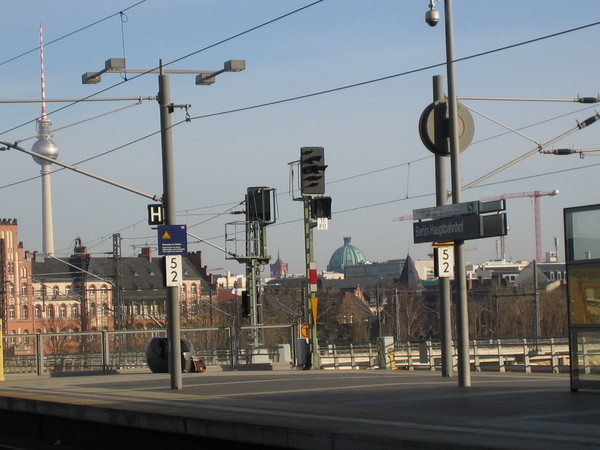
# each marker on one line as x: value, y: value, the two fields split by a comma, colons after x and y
x: 348, y: 75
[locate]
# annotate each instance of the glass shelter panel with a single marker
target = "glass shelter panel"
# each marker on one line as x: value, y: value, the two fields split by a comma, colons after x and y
x: 582, y: 242
x: 584, y: 294
x: 586, y: 366
x: 582, y: 234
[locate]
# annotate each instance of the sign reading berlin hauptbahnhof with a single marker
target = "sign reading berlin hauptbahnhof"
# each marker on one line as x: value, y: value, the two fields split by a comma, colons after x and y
x: 448, y: 229
x: 459, y: 222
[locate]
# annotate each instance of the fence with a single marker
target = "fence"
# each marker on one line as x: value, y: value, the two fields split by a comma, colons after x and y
x: 105, y: 351
x: 230, y: 347
x: 525, y: 355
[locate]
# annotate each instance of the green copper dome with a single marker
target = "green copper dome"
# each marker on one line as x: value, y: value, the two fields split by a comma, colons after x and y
x: 348, y: 255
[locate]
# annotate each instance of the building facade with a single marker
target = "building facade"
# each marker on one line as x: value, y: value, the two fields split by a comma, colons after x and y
x: 85, y: 293
x: 16, y: 291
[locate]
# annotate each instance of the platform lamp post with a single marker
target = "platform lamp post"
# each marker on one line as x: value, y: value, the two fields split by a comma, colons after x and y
x: 117, y: 65
x: 432, y: 17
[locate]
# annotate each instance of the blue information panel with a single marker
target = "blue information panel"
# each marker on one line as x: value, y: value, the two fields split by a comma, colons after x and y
x: 172, y: 240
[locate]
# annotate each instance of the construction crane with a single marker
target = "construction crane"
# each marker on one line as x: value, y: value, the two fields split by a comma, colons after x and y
x: 536, y: 195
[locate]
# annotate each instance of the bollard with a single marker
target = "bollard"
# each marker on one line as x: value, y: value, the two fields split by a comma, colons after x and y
x: 554, y: 357
x: 392, y: 357
x: 526, y: 357
x: 501, y: 363
x: 476, y: 360
x: 409, y: 361
x: 336, y: 363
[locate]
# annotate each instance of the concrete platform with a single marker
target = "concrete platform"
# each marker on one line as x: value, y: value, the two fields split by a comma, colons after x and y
x: 305, y: 409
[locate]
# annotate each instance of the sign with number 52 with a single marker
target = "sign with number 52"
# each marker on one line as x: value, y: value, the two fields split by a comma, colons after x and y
x: 173, y: 270
x: 444, y: 262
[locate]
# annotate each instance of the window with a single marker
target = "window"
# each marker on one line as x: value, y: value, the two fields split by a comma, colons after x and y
x: 38, y: 312
x: 93, y: 310
x: 11, y: 312
x: 24, y: 289
x: 104, y: 291
x: 74, y: 310
x: 24, y: 312
x: 104, y: 309
x: 63, y: 311
x: 92, y: 291
x: 51, y: 311
x: 55, y: 292
x: 11, y: 289
x: 67, y: 290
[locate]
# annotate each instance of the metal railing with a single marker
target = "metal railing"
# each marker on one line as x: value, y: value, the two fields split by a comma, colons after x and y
x: 229, y: 347
x: 502, y: 355
x: 105, y: 351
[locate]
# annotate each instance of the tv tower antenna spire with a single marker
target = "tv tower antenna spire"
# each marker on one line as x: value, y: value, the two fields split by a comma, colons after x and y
x: 45, y: 147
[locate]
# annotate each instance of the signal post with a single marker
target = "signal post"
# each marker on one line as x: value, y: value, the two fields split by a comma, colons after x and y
x: 316, y: 207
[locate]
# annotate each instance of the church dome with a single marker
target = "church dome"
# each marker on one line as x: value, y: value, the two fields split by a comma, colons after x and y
x: 348, y: 255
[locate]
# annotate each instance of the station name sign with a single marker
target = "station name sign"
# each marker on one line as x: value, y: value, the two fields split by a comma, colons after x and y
x: 447, y: 229
x: 460, y: 221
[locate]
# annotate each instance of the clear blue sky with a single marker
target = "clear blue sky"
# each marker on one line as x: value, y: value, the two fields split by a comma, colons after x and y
x: 378, y: 167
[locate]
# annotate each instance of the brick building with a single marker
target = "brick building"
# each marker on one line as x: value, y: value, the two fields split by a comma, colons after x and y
x: 83, y: 292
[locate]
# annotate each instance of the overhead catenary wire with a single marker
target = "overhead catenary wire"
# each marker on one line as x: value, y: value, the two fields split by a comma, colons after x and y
x: 380, y: 79
x: 89, y: 119
x: 168, y: 63
x: 64, y: 36
x: 323, y: 92
x: 387, y: 202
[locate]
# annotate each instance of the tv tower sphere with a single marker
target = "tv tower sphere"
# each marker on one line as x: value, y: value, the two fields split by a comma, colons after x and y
x: 44, y: 145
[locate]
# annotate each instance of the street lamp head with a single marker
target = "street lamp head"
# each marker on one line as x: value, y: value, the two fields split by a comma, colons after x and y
x: 235, y: 65
x: 111, y: 65
x: 114, y: 64
x: 204, y: 79
x: 90, y: 78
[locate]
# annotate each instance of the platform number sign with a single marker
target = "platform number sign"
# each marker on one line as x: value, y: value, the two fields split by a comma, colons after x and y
x: 444, y: 262
x: 173, y: 271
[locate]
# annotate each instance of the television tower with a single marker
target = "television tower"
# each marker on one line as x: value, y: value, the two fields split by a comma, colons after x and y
x: 46, y: 147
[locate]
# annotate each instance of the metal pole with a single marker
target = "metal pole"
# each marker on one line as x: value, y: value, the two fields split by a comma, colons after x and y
x: 396, y: 316
x: 378, y: 312
x: 462, y: 316
x: 536, y: 292
x: 441, y: 199
x: 315, y: 358
x: 173, y: 326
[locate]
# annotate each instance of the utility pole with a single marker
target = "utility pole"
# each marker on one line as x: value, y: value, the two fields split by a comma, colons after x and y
x: 166, y: 138
x: 441, y: 193
x: 118, y: 287
x: 462, y: 316
x: 536, y: 293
